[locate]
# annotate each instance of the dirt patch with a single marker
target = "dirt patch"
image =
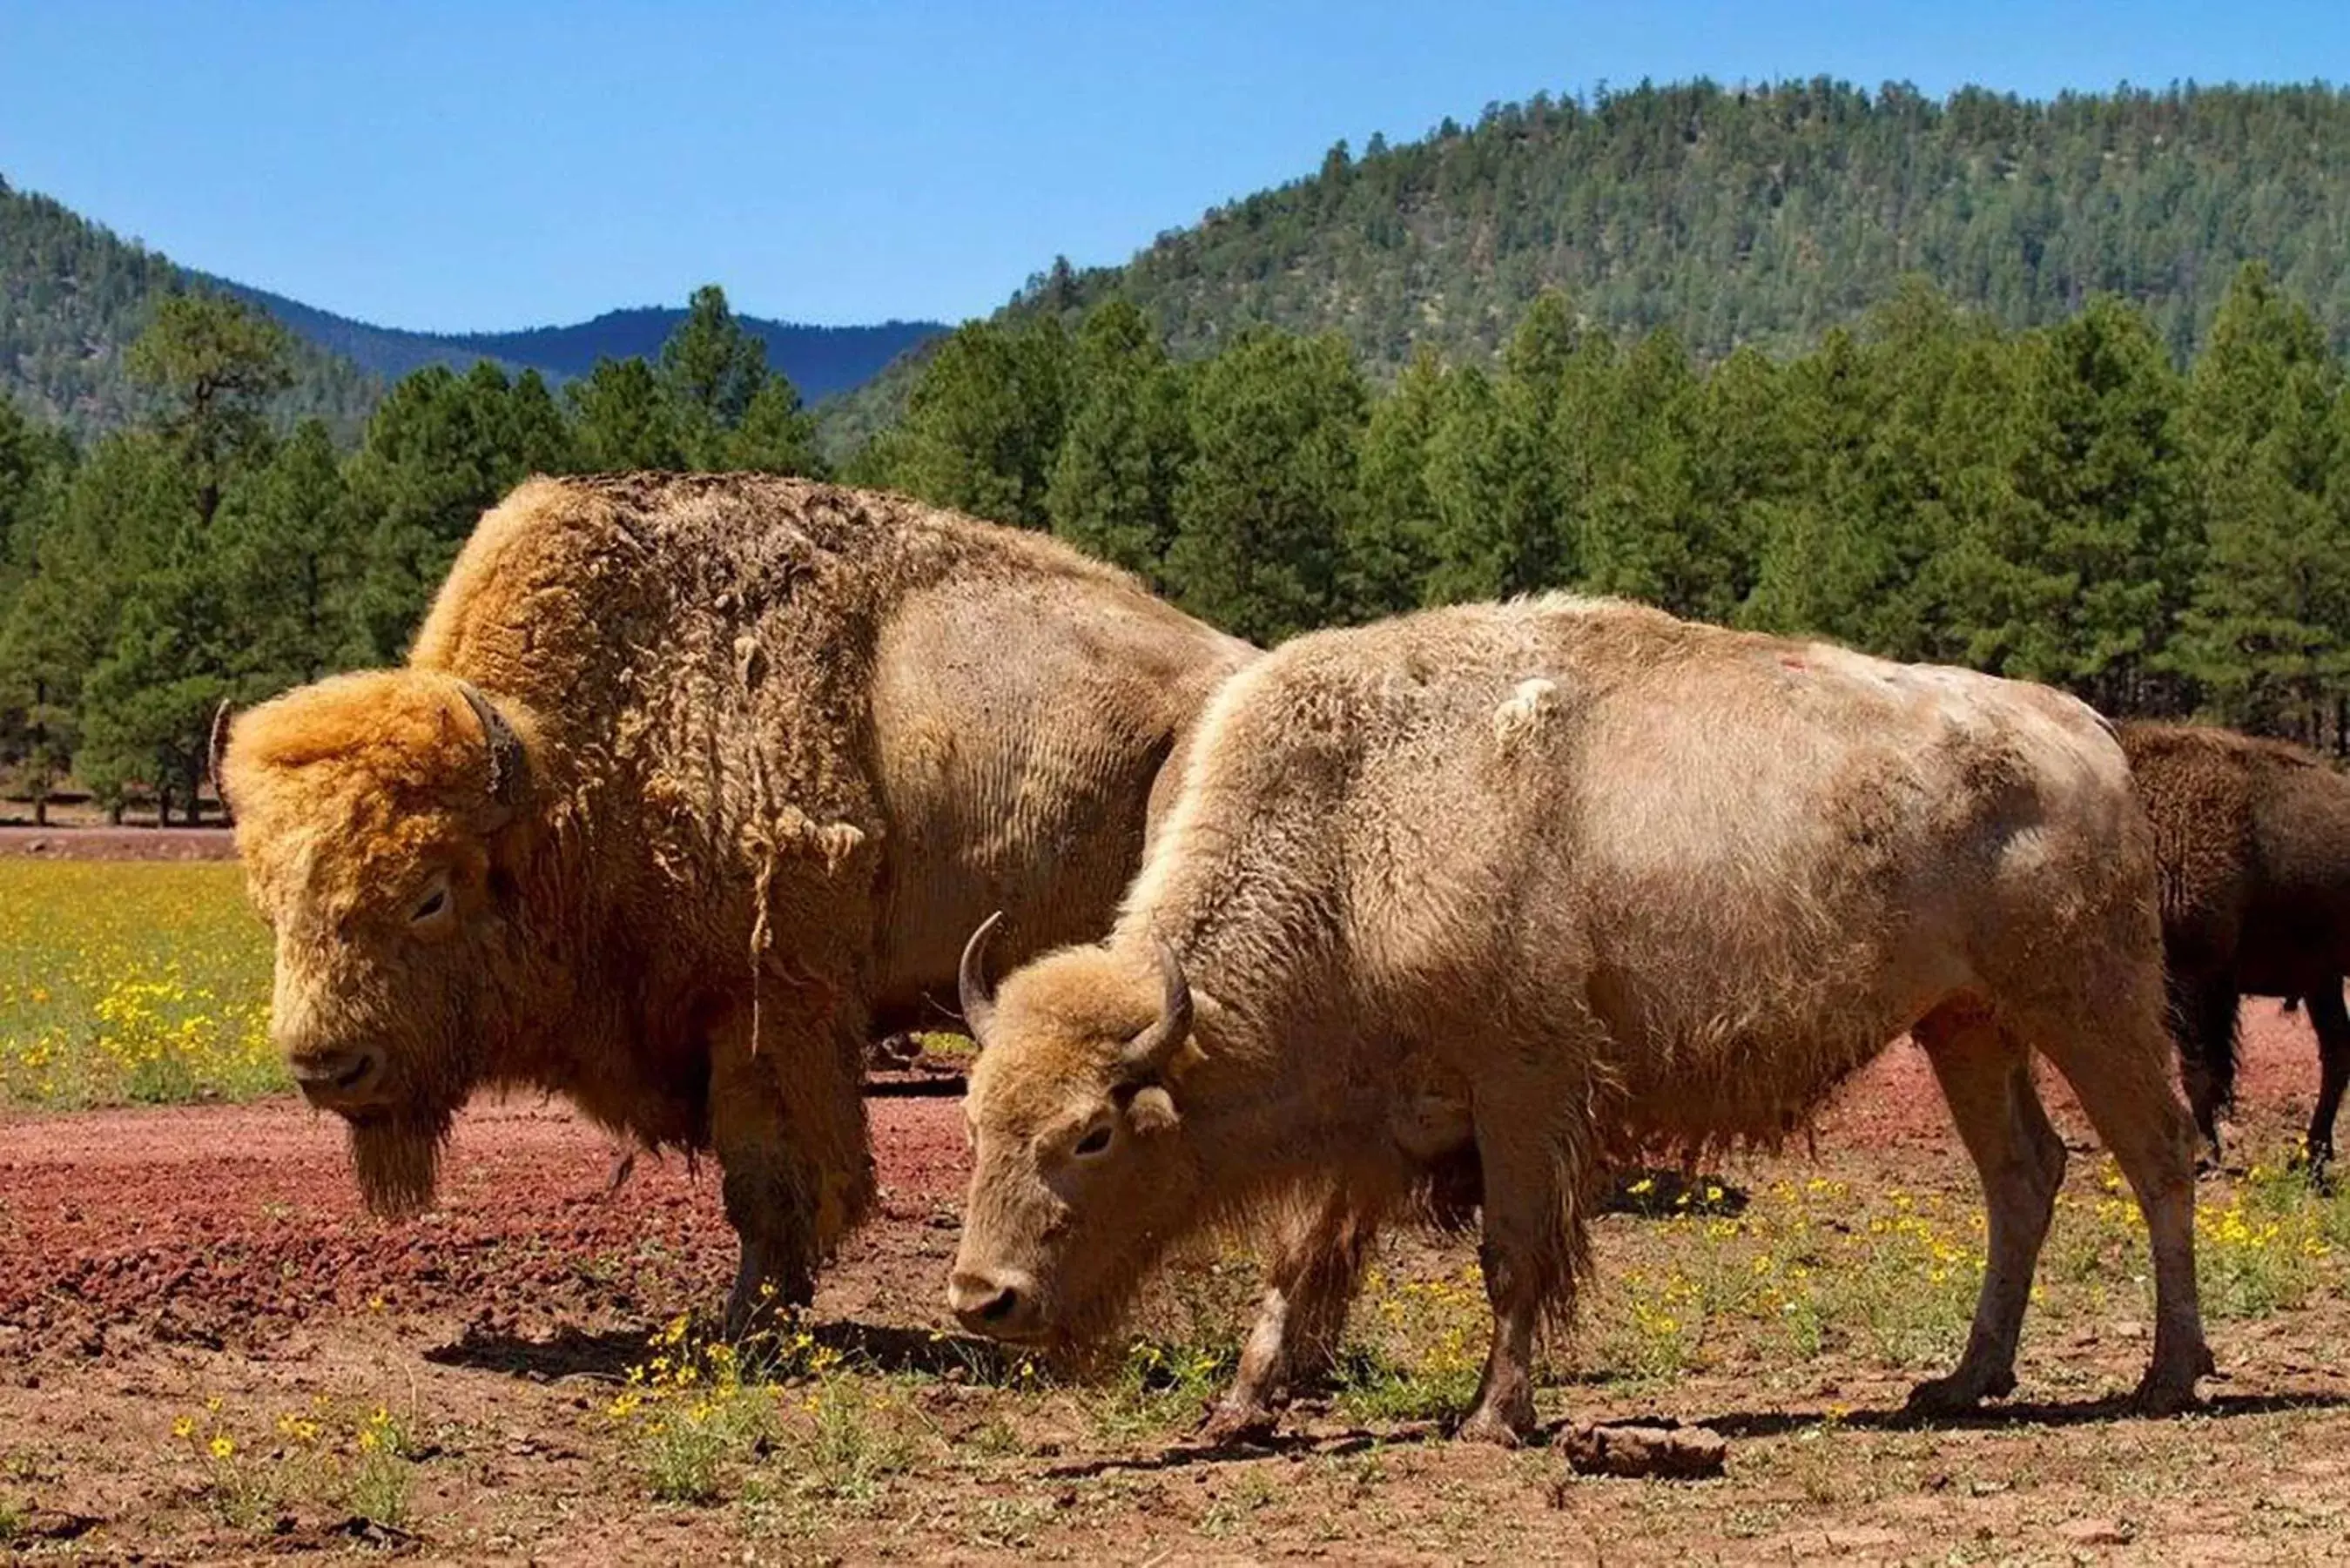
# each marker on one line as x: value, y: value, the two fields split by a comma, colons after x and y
x: 224, y: 1225
x: 173, y: 1279
x: 106, y: 843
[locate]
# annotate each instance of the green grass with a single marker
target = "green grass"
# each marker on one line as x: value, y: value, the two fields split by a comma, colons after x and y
x: 130, y: 983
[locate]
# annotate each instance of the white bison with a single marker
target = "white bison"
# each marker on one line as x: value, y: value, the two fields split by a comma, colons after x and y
x: 690, y: 785
x: 1559, y: 882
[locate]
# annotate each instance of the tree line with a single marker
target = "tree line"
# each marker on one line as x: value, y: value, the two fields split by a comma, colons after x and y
x: 2061, y: 503
x: 2064, y: 502
x: 200, y: 554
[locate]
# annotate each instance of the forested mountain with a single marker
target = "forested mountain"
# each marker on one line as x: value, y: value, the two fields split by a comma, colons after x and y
x: 74, y: 296
x: 820, y: 360
x: 1757, y: 217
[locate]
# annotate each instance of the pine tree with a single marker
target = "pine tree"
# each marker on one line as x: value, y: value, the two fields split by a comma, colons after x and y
x: 1390, y: 546
x: 289, y: 567
x: 984, y: 426
x: 215, y: 366
x: 2264, y: 636
x: 1276, y: 423
x: 712, y: 370
x: 1111, y: 492
x: 777, y: 435
x: 622, y: 418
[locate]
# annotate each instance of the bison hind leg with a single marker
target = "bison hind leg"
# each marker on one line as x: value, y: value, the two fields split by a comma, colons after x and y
x: 1985, y: 1074
x: 2333, y: 1024
x: 2113, y: 1050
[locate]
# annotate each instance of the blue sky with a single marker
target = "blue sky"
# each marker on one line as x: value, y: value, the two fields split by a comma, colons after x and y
x: 494, y: 165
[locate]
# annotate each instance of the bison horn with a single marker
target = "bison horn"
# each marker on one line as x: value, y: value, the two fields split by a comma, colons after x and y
x: 506, y: 746
x: 972, y: 986
x: 216, y: 749
x: 1150, y: 1051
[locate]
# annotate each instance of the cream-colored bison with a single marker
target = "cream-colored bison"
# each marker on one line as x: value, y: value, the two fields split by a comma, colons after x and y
x: 1560, y: 882
x: 689, y: 786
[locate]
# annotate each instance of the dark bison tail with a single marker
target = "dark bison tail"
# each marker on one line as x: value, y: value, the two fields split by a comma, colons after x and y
x: 2203, y: 1020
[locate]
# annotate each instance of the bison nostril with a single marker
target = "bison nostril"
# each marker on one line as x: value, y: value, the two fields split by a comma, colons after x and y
x: 992, y: 1303
x: 332, y: 1078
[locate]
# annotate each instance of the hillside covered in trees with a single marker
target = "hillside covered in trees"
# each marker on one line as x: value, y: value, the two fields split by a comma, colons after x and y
x: 73, y: 295
x: 2139, y: 494
x: 1759, y: 217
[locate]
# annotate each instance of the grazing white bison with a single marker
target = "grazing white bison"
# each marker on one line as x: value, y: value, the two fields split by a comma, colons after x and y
x: 2252, y: 841
x: 1557, y: 882
x: 689, y: 786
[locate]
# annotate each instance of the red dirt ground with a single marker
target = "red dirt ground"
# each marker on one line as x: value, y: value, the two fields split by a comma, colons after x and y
x: 81, y: 842
x: 229, y: 1224
x: 150, y: 1260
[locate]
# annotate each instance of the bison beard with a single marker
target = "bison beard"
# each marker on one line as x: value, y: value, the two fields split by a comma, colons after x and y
x: 397, y: 1160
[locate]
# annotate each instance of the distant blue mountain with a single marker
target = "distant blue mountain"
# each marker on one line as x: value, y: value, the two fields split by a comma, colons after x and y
x: 820, y: 360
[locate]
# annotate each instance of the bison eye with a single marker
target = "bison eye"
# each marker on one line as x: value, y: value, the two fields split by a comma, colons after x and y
x: 434, y: 902
x: 1093, y: 1143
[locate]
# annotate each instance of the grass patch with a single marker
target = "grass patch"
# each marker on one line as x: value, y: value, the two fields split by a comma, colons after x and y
x: 128, y: 983
x: 252, y: 1467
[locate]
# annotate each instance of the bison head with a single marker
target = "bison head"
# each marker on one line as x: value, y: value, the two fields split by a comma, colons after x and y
x: 377, y: 818
x: 1081, y: 1177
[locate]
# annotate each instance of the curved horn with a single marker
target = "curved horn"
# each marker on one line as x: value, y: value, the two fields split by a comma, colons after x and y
x: 216, y: 749
x: 506, y: 746
x: 1150, y: 1051
x: 972, y: 986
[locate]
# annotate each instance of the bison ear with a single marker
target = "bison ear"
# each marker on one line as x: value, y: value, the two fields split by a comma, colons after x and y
x: 1152, y: 1110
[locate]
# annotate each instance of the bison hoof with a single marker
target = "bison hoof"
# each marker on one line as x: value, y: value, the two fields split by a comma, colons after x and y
x: 1239, y: 1426
x: 1959, y: 1393
x: 2164, y: 1396
x: 1507, y: 1430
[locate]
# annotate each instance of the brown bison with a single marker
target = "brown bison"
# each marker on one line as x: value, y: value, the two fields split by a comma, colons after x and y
x: 1560, y: 882
x: 2253, y: 838
x: 689, y: 786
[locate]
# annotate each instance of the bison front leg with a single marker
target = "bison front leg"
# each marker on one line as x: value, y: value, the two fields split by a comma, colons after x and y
x: 787, y: 1124
x: 1310, y: 1282
x: 1986, y: 1077
x: 1537, y: 1169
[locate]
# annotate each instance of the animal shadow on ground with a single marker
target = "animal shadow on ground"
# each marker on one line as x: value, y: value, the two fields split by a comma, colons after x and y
x: 2011, y: 1413
x: 572, y: 1353
x: 1735, y: 1425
